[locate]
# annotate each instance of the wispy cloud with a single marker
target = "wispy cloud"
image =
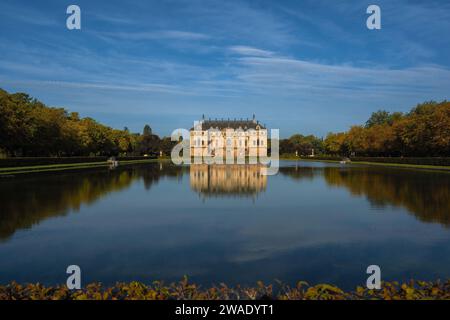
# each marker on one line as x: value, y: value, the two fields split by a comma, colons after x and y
x: 113, y: 19
x: 323, y: 79
x: 185, y: 57
x: 161, y: 88
x: 158, y: 35
x: 240, y: 21
x: 27, y: 15
x: 250, y: 51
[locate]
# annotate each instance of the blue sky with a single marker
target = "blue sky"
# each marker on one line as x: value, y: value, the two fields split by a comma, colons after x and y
x: 301, y: 66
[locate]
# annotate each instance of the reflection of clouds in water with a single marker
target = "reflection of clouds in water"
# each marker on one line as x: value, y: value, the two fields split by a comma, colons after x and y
x: 26, y: 202
x: 150, y: 222
x: 331, y: 219
x: 318, y: 228
x: 311, y: 207
x: 423, y: 193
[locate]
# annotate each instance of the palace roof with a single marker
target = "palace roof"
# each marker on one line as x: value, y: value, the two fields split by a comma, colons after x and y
x: 229, y: 123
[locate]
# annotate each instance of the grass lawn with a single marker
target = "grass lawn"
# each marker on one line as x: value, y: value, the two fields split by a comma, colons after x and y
x: 398, y: 165
x: 66, y: 166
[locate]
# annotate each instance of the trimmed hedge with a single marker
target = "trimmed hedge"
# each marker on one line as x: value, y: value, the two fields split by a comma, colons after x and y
x: 183, y: 290
x: 432, y: 161
x: 29, y: 161
x: 23, y: 162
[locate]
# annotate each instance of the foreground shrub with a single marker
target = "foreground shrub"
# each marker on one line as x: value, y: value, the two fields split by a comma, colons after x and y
x: 183, y: 290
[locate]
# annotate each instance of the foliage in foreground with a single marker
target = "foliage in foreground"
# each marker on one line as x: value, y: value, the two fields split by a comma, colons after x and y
x: 183, y: 290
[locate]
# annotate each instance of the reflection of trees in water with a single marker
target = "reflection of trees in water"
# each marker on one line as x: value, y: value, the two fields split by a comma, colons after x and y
x: 28, y: 200
x: 301, y: 173
x: 151, y: 174
x: 423, y: 193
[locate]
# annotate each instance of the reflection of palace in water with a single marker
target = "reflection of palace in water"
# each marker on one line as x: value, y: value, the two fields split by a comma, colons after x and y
x: 25, y: 203
x: 233, y: 180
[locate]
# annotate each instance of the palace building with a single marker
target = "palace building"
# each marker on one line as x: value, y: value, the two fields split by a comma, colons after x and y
x: 229, y: 138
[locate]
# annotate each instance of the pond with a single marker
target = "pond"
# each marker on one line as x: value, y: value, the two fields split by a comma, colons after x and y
x: 318, y: 222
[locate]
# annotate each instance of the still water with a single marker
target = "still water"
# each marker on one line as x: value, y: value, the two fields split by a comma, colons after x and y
x: 317, y: 222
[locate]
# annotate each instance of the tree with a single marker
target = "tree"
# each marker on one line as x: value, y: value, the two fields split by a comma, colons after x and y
x: 356, y: 140
x: 147, y: 130
x: 382, y: 117
x: 149, y: 143
x: 30, y: 128
x: 166, y: 145
x: 335, y: 143
x: 301, y: 144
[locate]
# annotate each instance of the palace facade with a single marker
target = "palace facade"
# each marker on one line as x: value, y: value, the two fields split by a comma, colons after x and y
x: 228, y: 138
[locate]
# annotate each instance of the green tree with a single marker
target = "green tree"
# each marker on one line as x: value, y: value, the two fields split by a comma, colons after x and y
x: 382, y: 117
x: 147, y: 130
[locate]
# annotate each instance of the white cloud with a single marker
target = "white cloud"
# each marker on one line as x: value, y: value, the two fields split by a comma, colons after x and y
x: 113, y: 19
x: 159, y: 35
x: 250, y: 51
x: 324, y: 79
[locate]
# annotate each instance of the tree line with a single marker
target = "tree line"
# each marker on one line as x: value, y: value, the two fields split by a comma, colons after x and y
x: 30, y: 128
x: 424, y: 131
